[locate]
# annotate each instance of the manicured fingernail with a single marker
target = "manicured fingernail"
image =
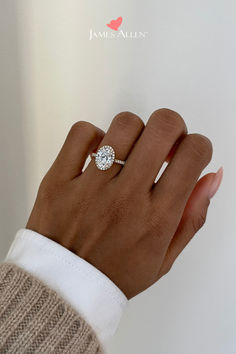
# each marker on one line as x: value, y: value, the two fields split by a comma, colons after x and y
x: 216, y: 183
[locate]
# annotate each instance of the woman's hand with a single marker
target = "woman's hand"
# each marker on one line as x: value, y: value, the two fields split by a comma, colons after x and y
x: 119, y: 220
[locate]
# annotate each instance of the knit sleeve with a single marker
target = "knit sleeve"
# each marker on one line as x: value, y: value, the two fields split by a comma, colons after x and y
x: 35, y: 319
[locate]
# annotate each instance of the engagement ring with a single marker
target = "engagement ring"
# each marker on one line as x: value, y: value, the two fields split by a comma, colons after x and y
x: 105, y: 157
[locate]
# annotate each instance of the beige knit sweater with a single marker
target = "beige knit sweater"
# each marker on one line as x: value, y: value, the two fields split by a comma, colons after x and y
x: 35, y: 319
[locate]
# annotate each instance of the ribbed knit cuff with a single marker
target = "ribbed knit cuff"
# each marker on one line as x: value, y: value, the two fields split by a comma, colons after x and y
x: 35, y: 319
x: 98, y: 300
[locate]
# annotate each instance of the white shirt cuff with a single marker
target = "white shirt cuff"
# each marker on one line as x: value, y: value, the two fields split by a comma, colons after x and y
x: 99, y: 301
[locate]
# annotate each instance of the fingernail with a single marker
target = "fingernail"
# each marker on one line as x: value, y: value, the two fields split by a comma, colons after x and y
x: 216, y: 183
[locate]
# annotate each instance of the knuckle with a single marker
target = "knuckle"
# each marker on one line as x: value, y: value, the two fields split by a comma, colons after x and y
x: 127, y: 119
x: 168, y: 120
x: 83, y: 127
x: 201, y: 146
x: 168, y: 263
x: 168, y: 269
x: 48, y: 190
x: 198, y: 222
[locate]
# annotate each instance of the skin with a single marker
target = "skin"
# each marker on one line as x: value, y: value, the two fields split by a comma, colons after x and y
x: 121, y: 221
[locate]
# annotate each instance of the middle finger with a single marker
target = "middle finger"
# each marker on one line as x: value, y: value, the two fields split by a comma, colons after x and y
x: 162, y: 131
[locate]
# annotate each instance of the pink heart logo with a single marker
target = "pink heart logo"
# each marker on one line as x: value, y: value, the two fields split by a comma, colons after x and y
x: 115, y: 24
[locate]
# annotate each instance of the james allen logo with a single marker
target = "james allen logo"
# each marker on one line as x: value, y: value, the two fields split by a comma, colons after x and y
x: 114, y: 25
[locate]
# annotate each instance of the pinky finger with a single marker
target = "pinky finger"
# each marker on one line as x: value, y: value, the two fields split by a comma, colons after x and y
x: 193, y: 218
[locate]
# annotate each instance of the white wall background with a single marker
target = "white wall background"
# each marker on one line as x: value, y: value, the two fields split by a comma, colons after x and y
x: 51, y: 75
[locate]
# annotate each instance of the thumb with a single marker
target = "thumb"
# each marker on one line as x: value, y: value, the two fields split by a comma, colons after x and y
x: 194, y: 216
x: 195, y: 212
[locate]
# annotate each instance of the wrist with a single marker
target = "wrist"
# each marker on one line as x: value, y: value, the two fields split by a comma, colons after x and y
x: 86, y: 288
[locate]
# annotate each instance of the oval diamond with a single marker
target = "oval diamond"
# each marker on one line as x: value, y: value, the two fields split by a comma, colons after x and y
x: 105, y: 157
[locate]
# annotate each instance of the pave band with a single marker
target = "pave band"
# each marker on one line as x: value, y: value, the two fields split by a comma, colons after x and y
x: 105, y: 158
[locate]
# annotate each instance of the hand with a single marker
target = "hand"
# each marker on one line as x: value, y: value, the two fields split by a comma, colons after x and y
x: 119, y: 220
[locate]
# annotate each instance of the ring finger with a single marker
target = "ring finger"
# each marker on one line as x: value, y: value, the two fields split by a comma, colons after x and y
x: 122, y: 134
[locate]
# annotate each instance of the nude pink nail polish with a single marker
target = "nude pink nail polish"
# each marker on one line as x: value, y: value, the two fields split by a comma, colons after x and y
x: 216, y: 183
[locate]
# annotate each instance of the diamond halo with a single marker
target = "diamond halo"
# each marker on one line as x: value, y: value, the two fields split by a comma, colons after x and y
x: 105, y: 157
